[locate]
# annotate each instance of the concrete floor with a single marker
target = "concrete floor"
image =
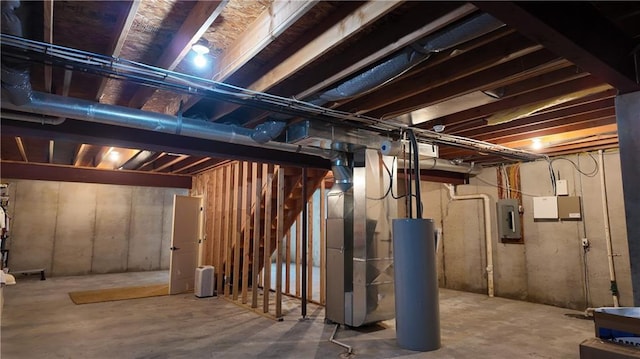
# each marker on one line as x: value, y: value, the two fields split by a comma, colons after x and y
x: 40, y: 321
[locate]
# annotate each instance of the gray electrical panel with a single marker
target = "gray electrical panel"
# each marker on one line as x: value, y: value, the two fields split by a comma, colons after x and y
x: 508, y: 219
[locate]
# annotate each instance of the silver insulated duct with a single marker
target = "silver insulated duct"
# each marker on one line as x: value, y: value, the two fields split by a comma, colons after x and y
x: 59, y: 106
x: 410, y: 56
x: 15, y: 75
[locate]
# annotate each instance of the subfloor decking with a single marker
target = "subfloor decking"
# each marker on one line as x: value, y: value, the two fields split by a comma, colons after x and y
x: 40, y: 321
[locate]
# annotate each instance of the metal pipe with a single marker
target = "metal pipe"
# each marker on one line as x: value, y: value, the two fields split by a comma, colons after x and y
x: 342, y: 172
x: 83, y: 110
x: 607, y: 232
x: 44, y: 120
x: 487, y: 229
x: 334, y: 341
x: 305, y: 215
x: 446, y: 165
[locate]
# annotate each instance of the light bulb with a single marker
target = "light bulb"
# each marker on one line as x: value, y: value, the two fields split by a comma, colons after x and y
x: 536, y: 144
x: 200, y: 61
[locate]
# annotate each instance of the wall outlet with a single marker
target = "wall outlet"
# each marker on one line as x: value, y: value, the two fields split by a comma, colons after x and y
x: 585, y: 242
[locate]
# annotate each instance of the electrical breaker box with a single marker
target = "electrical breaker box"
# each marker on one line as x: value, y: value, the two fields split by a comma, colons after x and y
x: 508, y: 219
x: 569, y: 207
x: 545, y: 207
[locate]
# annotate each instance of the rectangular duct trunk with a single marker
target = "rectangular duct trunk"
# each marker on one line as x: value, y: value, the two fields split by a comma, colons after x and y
x: 359, y: 248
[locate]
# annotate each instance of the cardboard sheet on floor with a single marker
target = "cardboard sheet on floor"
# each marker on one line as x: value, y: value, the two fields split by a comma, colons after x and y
x: 111, y: 294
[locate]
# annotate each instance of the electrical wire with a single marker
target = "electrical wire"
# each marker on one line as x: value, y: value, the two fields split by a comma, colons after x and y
x: 591, y: 173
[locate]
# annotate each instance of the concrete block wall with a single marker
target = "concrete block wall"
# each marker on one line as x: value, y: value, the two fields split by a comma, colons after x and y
x: 550, y: 266
x: 80, y: 228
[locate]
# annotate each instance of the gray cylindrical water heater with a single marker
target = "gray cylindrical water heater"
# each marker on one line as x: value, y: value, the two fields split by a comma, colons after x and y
x: 416, y: 284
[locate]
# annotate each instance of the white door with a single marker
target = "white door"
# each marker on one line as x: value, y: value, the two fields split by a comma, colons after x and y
x: 184, y: 243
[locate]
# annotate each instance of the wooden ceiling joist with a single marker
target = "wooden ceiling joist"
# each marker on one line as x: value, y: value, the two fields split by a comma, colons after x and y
x: 518, y: 100
x: 197, y: 22
x: 577, y: 32
x: 501, y: 75
x: 331, y: 38
x: 124, y: 25
x: 20, y: 145
x: 48, y: 37
x: 605, y: 105
x: 432, y: 73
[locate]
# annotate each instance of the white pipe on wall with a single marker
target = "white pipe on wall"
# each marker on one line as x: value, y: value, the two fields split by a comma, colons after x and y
x: 607, y: 231
x: 487, y: 229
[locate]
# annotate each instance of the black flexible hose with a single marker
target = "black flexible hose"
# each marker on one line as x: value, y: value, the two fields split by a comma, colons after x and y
x: 416, y: 169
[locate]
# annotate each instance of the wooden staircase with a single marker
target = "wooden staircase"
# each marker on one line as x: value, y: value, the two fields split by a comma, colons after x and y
x: 293, y: 205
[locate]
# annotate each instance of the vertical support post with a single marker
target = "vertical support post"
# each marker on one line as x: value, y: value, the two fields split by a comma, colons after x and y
x: 287, y: 267
x: 241, y: 180
x: 298, y: 260
x: 255, y: 247
x: 305, y: 217
x: 218, y: 234
x: 323, y: 243
x: 309, y: 220
x: 628, y: 119
x: 227, y: 225
x: 280, y: 238
x: 231, y: 240
x: 246, y: 230
x: 268, y: 194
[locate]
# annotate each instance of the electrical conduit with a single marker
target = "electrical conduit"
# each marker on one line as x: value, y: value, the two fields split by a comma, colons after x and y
x: 607, y: 231
x: 487, y: 229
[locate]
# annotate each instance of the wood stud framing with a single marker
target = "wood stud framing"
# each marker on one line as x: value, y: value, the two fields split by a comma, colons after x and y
x: 251, y: 209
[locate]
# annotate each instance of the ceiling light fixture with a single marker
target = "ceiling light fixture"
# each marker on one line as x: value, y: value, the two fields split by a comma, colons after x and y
x: 536, y: 144
x: 114, y: 156
x: 201, y: 48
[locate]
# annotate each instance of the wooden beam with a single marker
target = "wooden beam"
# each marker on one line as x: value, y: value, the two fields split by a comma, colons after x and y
x: 523, y: 99
x: 279, y: 238
x: 524, y: 124
x: 66, y: 84
x: 125, y: 24
x: 51, y: 147
x: 234, y: 246
x: 224, y: 228
x: 217, y: 233
x: 20, y: 145
x: 430, y: 27
x: 246, y: 226
x: 200, y: 18
x: 256, y: 193
x: 570, y: 137
x: 336, y: 35
x: 268, y: 212
x: 265, y: 29
x: 78, y: 157
x: 589, y: 40
x: 50, y: 172
x: 287, y: 264
x: 474, y: 129
x: 170, y: 163
x: 48, y: 37
x: 493, y: 77
x: 190, y: 162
